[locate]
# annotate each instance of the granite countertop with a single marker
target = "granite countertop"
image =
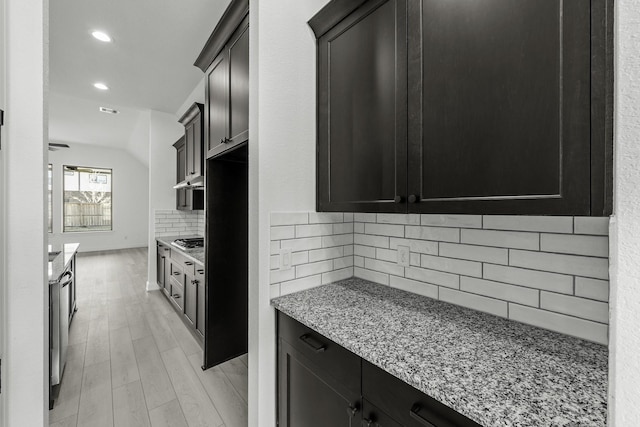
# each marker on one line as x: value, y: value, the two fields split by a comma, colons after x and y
x: 495, y: 371
x: 196, y: 255
x: 59, y: 264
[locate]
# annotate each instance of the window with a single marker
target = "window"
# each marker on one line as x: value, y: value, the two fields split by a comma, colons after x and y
x: 87, y: 199
x: 50, y: 176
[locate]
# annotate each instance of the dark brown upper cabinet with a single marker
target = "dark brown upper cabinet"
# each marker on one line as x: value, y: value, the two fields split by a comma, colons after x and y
x: 451, y: 106
x: 187, y: 199
x: 192, y: 121
x: 225, y: 61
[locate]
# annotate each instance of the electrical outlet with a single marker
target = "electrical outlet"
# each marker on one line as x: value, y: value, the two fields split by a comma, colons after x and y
x: 403, y: 256
x: 285, y: 259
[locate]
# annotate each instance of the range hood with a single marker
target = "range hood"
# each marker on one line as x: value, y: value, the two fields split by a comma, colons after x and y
x: 195, y: 184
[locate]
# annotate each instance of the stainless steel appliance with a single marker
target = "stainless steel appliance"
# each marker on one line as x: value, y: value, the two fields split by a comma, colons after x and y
x: 59, y: 325
x: 189, y: 243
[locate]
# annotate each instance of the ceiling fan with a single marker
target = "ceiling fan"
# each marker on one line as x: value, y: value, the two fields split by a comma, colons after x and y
x: 54, y: 146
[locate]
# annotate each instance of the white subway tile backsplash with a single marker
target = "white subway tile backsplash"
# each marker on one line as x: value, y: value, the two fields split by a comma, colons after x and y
x: 336, y: 275
x: 591, y: 225
x: 451, y: 265
x: 441, y: 234
x: 432, y: 276
x: 500, y: 291
x: 383, y: 266
x: 597, y: 268
x: 298, y: 285
x: 364, y: 217
x: 585, y: 329
x: 304, y: 244
x: 575, y: 244
x: 365, y: 251
x: 274, y: 262
x: 550, y: 224
x: 420, y: 246
x: 547, y: 271
x: 284, y: 232
x: 369, y: 240
x: 344, y: 262
x: 344, y: 228
x: 459, y: 221
x: 310, y: 269
x: 492, y: 255
x: 289, y: 218
x: 371, y: 275
x: 274, y: 291
x: 313, y: 230
x: 592, y: 288
x: 574, y: 306
x: 414, y: 286
x: 531, y: 278
x: 178, y: 223
x: 324, y: 254
x: 337, y: 240
x: 387, y: 255
x: 392, y: 230
x: 476, y: 302
x: 404, y: 219
x: 325, y: 217
x: 502, y: 239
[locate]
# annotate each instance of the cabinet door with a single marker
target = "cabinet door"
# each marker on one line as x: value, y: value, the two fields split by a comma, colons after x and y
x: 309, y: 396
x: 189, y: 150
x: 501, y: 91
x: 167, y: 271
x: 362, y: 111
x: 196, y: 148
x: 201, y: 301
x: 217, y: 105
x: 239, y: 86
x: 160, y: 266
x: 190, y: 299
x: 375, y: 417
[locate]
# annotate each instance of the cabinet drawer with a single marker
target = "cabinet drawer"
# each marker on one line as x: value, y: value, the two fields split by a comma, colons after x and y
x: 405, y: 404
x: 187, y: 265
x: 177, y: 273
x: 372, y: 416
x: 321, y: 351
x: 177, y: 293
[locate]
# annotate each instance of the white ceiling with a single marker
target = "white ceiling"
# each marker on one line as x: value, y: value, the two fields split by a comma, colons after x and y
x: 148, y: 66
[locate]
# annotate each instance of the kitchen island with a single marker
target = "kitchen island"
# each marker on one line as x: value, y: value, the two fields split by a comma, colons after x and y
x: 60, y: 255
x: 493, y: 371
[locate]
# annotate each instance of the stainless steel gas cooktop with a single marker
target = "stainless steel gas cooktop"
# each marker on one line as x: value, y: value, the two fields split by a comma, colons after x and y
x: 189, y: 243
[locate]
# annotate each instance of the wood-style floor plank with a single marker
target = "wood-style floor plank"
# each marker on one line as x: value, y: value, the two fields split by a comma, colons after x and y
x: 137, y: 321
x: 71, y: 421
x: 236, y: 371
x: 161, y: 331
x: 168, y: 415
x: 129, y: 408
x: 96, y: 408
x: 124, y: 368
x: 232, y: 408
x: 155, y: 380
x: 196, y: 405
x: 186, y: 341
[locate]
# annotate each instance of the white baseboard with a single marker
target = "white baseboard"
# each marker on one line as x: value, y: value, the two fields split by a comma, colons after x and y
x: 152, y: 286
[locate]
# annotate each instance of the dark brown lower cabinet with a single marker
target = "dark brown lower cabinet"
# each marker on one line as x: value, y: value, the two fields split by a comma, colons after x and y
x: 323, y: 384
x: 190, y: 299
x: 200, y: 302
x: 319, y: 381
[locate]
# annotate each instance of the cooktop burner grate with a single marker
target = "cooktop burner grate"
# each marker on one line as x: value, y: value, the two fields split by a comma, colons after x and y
x: 189, y: 243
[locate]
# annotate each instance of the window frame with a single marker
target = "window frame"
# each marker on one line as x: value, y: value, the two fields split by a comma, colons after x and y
x: 75, y: 168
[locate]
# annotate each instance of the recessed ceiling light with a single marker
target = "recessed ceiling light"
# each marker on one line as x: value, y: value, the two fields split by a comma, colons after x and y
x: 101, y: 86
x: 108, y: 110
x: 103, y: 37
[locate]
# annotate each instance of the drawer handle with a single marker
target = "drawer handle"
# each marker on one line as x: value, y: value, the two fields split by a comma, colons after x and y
x: 314, y: 344
x: 352, y: 410
x: 415, y: 414
x: 367, y: 422
x: 166, y: 249
x: 188, y: 263
x: 176, y: 296
x: 200, y: 271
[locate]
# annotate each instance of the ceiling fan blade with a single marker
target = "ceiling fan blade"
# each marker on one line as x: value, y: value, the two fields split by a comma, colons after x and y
x: 55, y: 144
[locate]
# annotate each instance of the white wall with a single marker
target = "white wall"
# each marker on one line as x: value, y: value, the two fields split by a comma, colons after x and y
x: 25, y: 367
x: 129, y: 197
x: 281, y: 164
x: 625, y: 231
x: 3, y: 282
x: 164, y: 130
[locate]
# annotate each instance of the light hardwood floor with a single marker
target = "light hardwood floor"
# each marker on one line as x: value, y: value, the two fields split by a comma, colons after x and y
x: 132, y: 362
